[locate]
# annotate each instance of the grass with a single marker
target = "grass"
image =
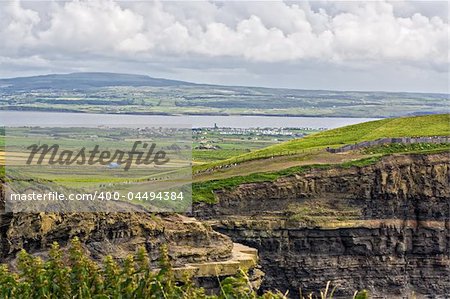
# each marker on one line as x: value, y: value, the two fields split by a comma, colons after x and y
x: 214, y: 155
x: 323, y: 211
x: 225, y: 100
x: 204, y: 191
x: 72, y: 274
x: 406, y: 148
x: 428, y: 125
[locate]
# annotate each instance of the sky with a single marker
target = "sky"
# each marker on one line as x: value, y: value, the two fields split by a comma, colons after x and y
x: 368, y: 45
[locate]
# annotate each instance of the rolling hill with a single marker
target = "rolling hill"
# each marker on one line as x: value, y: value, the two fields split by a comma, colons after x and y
x: 85, y: 80
x: 98, y: 92
x: 260, y: 166
x: 427, y: 125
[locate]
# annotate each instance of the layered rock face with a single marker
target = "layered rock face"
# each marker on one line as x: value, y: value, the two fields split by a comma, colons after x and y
x: 401, y: 186
x: 390, y: 261
x: 193, y: 246
x: 384, y: 227
x: 116, y: 234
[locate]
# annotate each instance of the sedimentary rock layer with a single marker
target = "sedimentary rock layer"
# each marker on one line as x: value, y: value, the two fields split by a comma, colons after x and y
x: 384, y: 227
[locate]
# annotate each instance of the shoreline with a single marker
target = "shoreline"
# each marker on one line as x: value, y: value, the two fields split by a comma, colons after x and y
x: 195, y: 114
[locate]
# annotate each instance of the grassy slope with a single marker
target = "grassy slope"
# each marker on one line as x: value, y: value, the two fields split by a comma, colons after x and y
x: 428, y: 125
x: 203, y: 191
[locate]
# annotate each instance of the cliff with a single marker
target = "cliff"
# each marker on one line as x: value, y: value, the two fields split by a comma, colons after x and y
x: 384, y: 227
x: 193, y: 246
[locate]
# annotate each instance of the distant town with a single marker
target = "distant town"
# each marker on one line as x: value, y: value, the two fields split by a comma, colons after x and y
x: 292, y: 132
x: 226, y: 141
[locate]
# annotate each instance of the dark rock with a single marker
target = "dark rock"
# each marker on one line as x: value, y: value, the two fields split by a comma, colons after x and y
x: 383, y: 227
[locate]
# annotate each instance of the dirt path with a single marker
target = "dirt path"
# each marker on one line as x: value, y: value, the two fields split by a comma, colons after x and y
x: 279, y: 163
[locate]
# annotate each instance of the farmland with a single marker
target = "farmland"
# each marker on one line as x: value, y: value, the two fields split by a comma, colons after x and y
x: 213, y: 144
x: 119, y: 93
x: 75, y: 165
x: 254, y: 156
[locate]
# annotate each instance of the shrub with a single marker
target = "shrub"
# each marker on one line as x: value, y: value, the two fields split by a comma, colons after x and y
x: 74, y: 275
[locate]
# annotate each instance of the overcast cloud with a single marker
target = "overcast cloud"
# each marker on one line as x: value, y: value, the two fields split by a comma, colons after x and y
x: 370, y: 45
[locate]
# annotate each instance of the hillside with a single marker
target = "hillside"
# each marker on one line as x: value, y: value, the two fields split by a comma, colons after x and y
x: 139, y: 94
x: 84, y: 80
x: 427, y: 125
x: 301, y: 155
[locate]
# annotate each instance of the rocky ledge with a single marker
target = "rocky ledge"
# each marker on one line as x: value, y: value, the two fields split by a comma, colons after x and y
x: 193, y: 246
x: 383, y: 227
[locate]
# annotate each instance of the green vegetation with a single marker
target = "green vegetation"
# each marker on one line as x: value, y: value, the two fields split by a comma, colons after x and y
x: 204, y: 191
x: 109, y: 93
x: 428, y: 125
x: 73, y: 275
x: 214, y: 144
x: 80, y: 177
x: 80, y: 277
x: 215, y: 155
x: 406, y: 148
x: 320, y: 212
x: 87, y: 177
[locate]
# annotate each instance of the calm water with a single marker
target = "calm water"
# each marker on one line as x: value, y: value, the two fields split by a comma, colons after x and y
x: 26, y: 118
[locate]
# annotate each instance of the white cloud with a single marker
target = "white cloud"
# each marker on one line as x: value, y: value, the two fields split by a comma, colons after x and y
x: 351, y: 34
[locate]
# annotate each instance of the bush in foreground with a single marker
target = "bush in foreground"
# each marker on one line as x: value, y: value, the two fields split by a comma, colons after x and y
x: 75, y: 275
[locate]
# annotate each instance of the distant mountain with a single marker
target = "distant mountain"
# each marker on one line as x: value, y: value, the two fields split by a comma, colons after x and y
x: 88, y: 92
x: 85, y: 80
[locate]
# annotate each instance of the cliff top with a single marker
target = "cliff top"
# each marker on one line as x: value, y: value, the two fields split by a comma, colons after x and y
x: 303, y: 154
x: 416, y: 126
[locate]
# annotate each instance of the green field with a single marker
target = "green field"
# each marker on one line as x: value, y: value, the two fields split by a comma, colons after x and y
x: 232, y: 145
x: 110, y: 93
x: 71, y: 175
x: 428, y: 125
x: 203, y: 191
x: 405, y: 148
x: 301, y: 154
